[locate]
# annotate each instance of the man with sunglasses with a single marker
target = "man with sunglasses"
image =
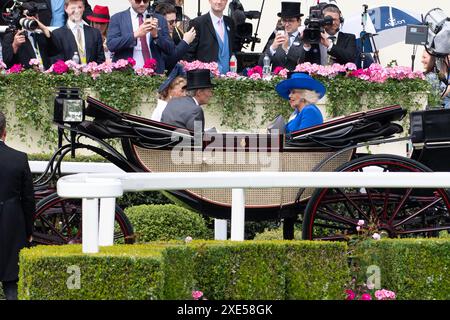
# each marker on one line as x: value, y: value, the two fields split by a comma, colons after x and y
x: 182, y: 40
x: 286, y: 49
x: 140, y: 34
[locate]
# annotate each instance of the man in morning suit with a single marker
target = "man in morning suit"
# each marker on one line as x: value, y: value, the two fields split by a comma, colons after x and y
x: 185, y: 112
x: 51, y: 12
x: 215, y: 37
x: 132, y: 35
x: 286, y: 49
x: 17, y: 209
x: 19, y: 47
x: 334, y: 46
x: 76, y: 36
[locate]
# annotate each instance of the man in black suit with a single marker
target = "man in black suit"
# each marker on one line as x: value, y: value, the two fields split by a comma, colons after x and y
x: 334, y: 46
x: 215, y: 37
x: 286, y: 49
x: 55, y: 16
x: 19, y: 47
x: 17, y: 209
x: 186, y: 112
x: 78, y: 37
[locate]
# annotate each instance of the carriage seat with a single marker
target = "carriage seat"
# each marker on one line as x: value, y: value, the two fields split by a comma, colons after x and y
x: 349, y: 130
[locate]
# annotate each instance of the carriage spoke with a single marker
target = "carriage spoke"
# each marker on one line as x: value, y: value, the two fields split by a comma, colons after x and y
x: 422, y: 230
x: 400, y: 205
x: 385, y: 205
x: 363, y: 214
x: 53, y: 228
x: 339, y: 218
x: 417, y: 213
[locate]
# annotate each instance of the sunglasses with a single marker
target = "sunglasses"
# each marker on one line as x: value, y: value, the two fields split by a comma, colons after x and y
x: 171, y: 22
x: 139, y: 1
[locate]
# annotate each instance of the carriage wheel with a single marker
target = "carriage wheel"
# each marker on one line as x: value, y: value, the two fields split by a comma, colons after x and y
x: 58, y: 221
x: 333, y: 213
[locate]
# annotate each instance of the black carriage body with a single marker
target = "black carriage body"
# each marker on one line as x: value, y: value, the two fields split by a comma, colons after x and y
x: 151, y: 146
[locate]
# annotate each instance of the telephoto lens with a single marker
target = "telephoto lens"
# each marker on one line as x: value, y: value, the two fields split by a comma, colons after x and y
x: 28, y: 24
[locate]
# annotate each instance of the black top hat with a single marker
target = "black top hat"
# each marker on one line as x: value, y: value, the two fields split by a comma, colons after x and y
x: 290, y: 10
x: 198, y: 79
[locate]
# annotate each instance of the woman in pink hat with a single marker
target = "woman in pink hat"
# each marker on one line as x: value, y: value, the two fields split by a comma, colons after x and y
x: 100, y: 20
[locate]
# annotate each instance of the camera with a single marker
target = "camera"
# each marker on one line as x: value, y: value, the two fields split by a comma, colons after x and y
x: 15, y: 16
x: 315, y: 23
x: 244, y: 30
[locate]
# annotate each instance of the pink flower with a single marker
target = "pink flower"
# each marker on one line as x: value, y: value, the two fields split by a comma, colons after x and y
x: 255, y: 76
x: 358, y: 228
x: 231, y: 75
x: 2, y: 65
x: 34, y: 62
x: 131, y: 61
x: 255, y: 70
x: 360, y: 222
x: 17, y: 68
x: 350, y: 294
x: 150, y: 64
x: 194, y: 65
x: 376, y: 236
x: 366, y: 296
x: 196, y: 295
x: 60, y: 67
x: 277, y: 70
x: 385, y: 295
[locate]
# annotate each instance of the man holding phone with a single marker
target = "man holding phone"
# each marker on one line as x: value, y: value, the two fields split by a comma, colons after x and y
x: 286, y: 49
x: 141, y: 34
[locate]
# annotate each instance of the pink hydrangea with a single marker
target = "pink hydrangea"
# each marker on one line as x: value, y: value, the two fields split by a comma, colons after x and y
x: 255, y: 70
x: 277, y: 70
x: 60, y: 67
x: 17, y: 68
x: 194, y: 65
x: 196, y: 295
x: 144, y: 71
x: 121, y: 63
x: 131, y: 61
x: 231, y: 75
x: 150, y: 64
x: 384, y: 294
x: 34, y: 62
x: 255, y: 76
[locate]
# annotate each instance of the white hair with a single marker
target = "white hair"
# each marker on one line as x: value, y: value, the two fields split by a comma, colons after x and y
x: 309, y: 96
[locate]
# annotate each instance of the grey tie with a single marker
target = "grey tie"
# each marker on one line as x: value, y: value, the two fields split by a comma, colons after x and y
x: 330, y: 59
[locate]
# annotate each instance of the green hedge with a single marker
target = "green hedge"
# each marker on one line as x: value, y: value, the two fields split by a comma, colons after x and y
x: 166, y: 222
x: 222, y: 270
x: 119, y: 272
x: 416, y: 269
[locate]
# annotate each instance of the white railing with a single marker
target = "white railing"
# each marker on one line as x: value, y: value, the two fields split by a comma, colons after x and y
x: 99, y: 230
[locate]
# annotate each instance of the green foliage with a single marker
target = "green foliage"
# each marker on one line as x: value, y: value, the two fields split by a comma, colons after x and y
x: 257, y: 270
x: 166, y: 222
x: 78, y: 158
x: 235, y: 100
x: 119, y: 272
x: 276, y: 234
x: 415, y: 269
x: 222, y: 270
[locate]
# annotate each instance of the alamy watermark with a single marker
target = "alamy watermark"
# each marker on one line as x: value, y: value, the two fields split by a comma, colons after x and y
x: 74, y: 280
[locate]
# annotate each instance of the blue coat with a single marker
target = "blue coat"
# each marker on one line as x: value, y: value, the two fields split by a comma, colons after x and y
x: 121, y: 41
x: 308, y: 117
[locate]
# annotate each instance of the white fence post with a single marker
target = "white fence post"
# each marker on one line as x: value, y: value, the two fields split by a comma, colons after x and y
x: 106, y: 228
x: 238, y: 215
x: 220, y: 229
x: 90, y: 225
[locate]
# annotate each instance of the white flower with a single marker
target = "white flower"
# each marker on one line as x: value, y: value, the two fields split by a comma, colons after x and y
x: 376, y: 236
x: 188, y: 239
x: 358, y: 228
x: 360, y: 222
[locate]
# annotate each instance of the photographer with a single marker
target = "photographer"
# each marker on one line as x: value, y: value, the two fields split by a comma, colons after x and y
x: 21, y: 45
x: 334, y: 46
x: 286, y: 49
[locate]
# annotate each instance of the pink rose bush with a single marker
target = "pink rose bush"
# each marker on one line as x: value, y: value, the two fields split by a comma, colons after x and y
x: 197, y: 295
x: 194, y: 65
x: 385, y: 295
x: 17, y: 68
x: 364, y: 293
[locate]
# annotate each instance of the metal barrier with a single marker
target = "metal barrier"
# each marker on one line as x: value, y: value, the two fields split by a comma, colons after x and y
x: 98, y: 225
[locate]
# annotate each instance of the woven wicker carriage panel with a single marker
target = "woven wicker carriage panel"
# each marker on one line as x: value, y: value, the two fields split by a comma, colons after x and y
x: 330, y: 166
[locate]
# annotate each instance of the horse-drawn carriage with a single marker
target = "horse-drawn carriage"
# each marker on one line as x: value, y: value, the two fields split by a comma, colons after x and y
x: 150, y: 146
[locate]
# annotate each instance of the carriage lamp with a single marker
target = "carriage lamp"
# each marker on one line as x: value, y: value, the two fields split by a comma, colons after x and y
x: 69, y: 107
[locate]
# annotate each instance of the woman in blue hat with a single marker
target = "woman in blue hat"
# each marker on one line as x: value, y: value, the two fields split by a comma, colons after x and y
x: 302, y: 92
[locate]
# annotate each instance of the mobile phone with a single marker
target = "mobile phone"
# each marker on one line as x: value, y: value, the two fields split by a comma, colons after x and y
x: 280, y: 32
x: 148, y: 16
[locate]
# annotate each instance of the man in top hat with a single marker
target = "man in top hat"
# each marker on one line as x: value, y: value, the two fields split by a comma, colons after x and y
x: 185, y: 112
x: 215, y: 37
x: 286, y: 50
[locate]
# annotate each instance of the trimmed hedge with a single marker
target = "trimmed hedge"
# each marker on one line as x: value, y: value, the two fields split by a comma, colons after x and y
x: 166, y: 222
x: 416, y: 269
x: 118, y: 272
x: 222, y: 270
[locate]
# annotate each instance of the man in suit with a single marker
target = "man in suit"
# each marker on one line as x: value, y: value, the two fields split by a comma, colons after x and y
x: 334, y: 46
x: 21, y: 46
x: 215, y: 37
x: 132, y: 35
x: 17, y: 209
x: 169, y: 12
x: 186, y: 112
x: 286, y: 49
x: 55, y: 16
x: 78, y: 37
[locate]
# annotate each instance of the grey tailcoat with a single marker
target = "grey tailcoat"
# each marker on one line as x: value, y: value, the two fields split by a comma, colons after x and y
x: 183, y: 112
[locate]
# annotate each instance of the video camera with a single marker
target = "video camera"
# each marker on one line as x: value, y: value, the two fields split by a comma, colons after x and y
x: 244, y: 29
x: 315, y: 23
x: 16, y: 15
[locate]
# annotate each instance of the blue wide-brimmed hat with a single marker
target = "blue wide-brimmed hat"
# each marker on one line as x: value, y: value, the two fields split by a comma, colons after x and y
x: 300, y: 81
x: 178, y: 70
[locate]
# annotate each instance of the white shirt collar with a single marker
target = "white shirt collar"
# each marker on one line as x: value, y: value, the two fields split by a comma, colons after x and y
x: 196, y: 102
x: 73, y: 26
x: 134, y: 14
x: 215, y: 18
x: 336, y: 35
